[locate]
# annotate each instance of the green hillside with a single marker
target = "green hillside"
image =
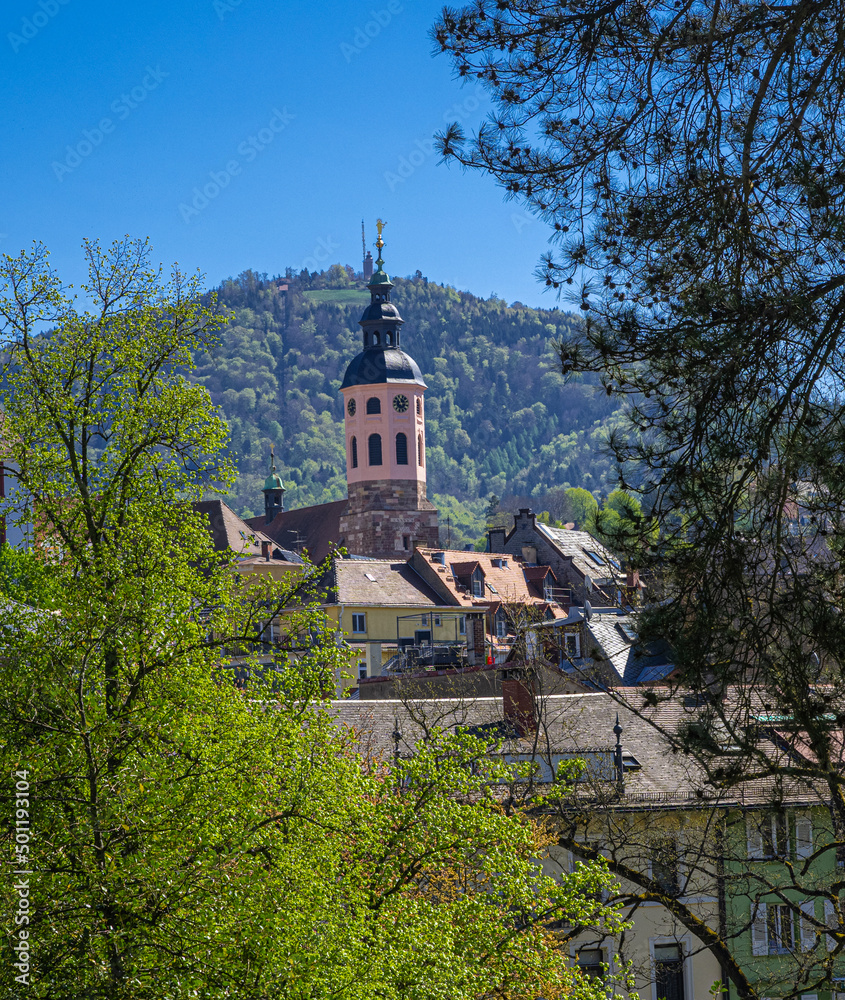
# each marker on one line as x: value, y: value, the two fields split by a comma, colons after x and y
x: 500, y: 419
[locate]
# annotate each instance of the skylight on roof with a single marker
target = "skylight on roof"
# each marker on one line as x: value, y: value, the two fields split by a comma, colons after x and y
x: 492, y: 589
x: 595, y: 557
x: 628, y: 631
x: 370, y: 576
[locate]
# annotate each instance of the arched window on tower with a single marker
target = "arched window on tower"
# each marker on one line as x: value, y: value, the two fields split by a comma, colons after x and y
x: 373, y: 405
x: 376, y: 337
x: 353, y: 448
x: 419, y: 407
x: 374, y: 444
x: 419, y: 450
x: 401, y: 449
x: 388, y: 338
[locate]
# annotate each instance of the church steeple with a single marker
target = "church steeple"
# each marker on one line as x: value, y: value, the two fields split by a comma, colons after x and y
x: 274, y: 491
x: 381, y: 321
x: 385, y: 435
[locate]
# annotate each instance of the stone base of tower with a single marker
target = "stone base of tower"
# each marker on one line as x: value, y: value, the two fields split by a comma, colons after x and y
x: 386, y: 518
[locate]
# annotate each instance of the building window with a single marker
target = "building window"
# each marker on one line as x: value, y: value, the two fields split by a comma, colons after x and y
x: 462, y: 626
x: 401, y: 449
x: 572, y: 644
x: 501, y: 626
x: 359, y: 622
x: 388, y: 338
x: 419, y: 450
x: 591, y: 962
x: 548, y: 593
x: 373, y: 405
x: 665, y: 865
x: 424, y: 621
x: 437, y: 621
x: 478, y: 584
x: 354, y: 451
x: 362, y: 670
x: 419, y: 407
x: 779, y: 928
x: 376, y: 338
x: 374, y: 444
x: 669, y: 971
x: 767, y: 834
x: 406, y: 542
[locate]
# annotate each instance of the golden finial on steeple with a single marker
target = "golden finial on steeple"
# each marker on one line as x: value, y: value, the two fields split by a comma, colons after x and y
x: 380, y: 226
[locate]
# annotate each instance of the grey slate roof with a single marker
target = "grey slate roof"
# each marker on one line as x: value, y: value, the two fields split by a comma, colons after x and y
x: 382, y: 582
x: 571, y: 725
x: 634, y: 662
x: 576, y: 545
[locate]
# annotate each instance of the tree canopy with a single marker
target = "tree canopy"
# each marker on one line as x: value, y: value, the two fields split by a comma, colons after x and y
x: 181, y: 836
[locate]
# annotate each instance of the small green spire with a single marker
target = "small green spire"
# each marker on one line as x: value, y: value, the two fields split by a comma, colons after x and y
x: 273, y: 481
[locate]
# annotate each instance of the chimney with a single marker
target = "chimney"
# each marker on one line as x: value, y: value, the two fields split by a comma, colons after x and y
x: 632, y: 586
x: 496, y: 540
x: 265, y: 551
x: 518, y: 697
x: 476, y: 645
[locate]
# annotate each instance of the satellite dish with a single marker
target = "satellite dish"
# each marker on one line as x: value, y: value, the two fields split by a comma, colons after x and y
x: 588, y: 611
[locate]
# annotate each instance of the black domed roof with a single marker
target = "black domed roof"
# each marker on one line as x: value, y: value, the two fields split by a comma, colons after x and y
x: 377, y: 311
x: 375, y: 366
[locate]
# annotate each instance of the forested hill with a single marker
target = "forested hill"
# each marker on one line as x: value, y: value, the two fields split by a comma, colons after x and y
x: 499, y: 418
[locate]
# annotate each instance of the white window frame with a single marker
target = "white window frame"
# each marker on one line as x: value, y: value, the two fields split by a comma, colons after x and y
x: 685, y: 943
x: 362, y: 669
x: 606, y: 946
x: 754, y: 835
x: 359, y: 618
x: 572, y: 635
x: 803, y: 834
x: 437, y: 621
x: 679, y: 850
x: 462, y: 625
x: 477, y: 582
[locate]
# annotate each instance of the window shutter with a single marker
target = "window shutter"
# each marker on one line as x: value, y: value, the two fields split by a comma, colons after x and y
x: 831, y: 922
x: 803, y: 835
x: 759, y: 930
x: 754, y: 836
x: 808, y: 931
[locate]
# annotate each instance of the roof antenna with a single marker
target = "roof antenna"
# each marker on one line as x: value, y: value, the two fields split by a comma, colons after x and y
x: 363, y: 240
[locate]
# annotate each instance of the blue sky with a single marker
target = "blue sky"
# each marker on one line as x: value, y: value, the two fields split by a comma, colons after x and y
x: 249, y: 133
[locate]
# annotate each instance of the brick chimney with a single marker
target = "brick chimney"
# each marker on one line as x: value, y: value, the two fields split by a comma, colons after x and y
x: 496, y: 540
x: 632, y: 586
x: 476, y: 639
x: 518, y: 701
x: 265, y: 551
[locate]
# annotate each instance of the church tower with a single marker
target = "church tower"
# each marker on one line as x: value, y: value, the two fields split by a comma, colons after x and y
x: 385, y: 436
x: 274, y: 491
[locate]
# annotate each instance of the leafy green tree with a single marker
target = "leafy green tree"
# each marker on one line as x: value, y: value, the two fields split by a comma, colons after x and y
x: 582, y: 506
x: 187, y: 837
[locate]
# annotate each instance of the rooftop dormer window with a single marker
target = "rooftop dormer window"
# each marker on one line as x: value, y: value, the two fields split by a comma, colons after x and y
x: 478, y: 583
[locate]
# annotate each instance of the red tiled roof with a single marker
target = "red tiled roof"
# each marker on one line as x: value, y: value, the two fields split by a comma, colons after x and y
x: 315, y: 528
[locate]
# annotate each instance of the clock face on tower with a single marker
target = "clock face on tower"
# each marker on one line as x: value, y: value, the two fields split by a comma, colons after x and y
x: 400, y: 403
x: 350, y: 406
